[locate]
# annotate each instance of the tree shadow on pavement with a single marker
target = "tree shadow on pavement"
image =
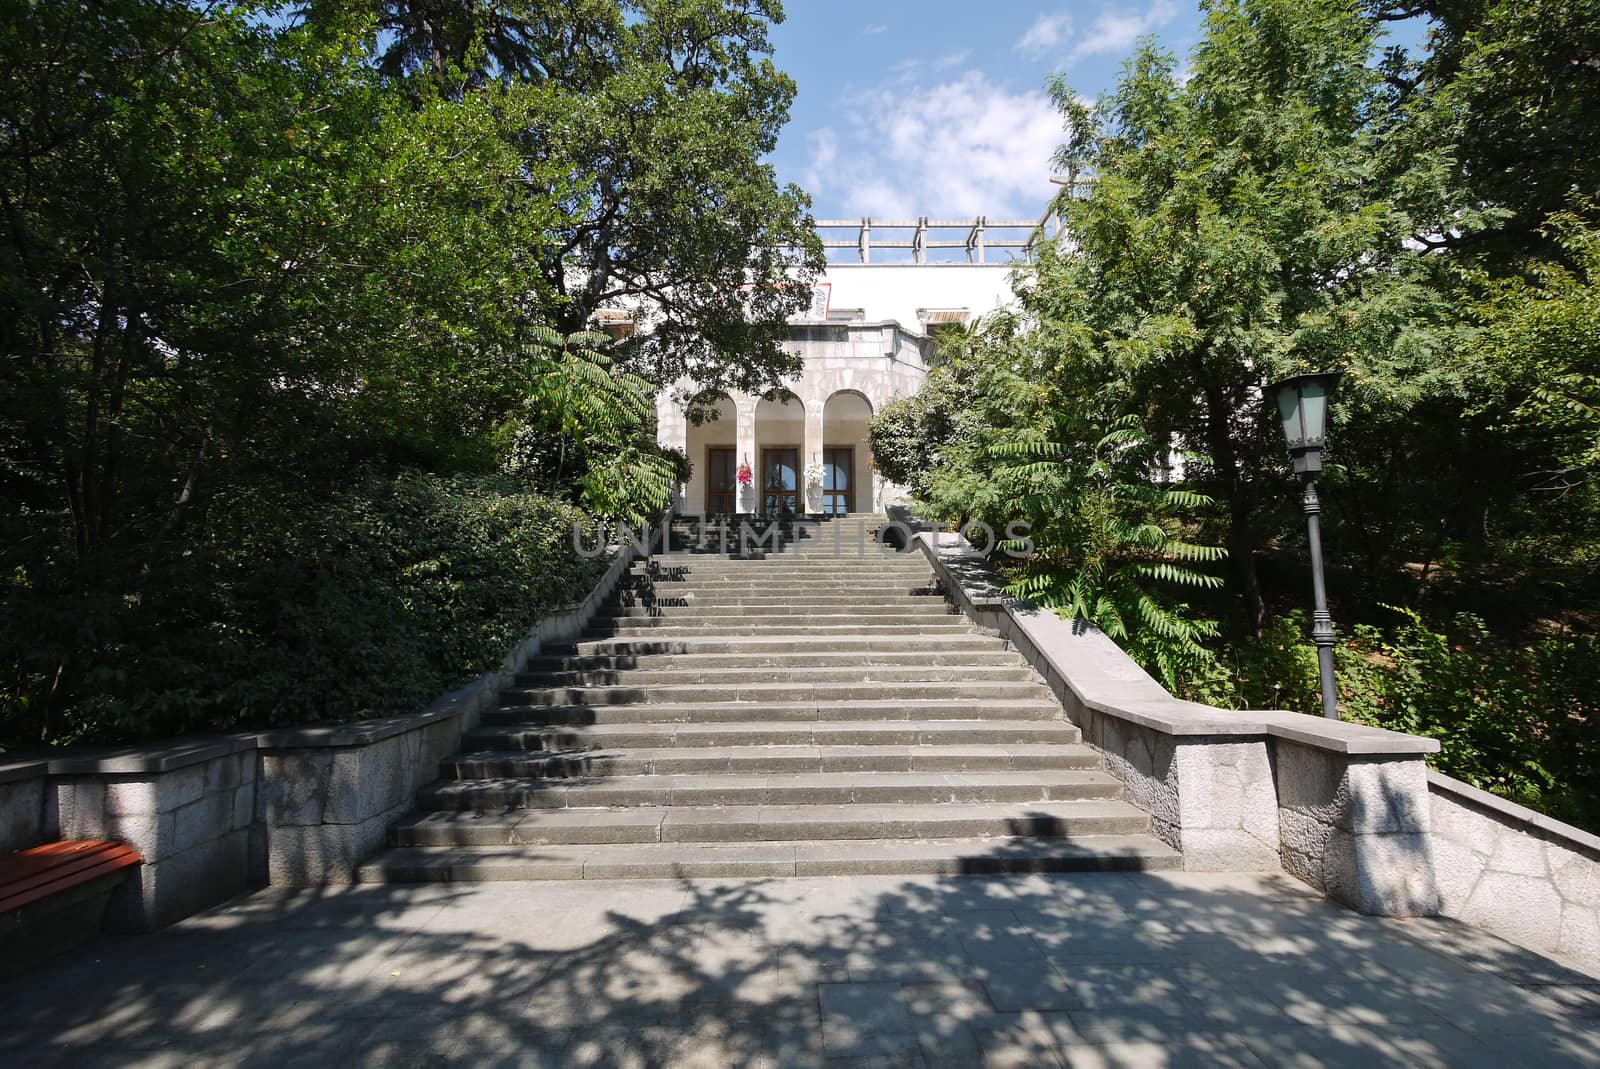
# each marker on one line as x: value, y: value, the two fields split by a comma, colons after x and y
x: 1109, y: 970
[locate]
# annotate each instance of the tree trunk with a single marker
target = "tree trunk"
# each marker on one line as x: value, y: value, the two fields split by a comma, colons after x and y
x: 1244, y: 581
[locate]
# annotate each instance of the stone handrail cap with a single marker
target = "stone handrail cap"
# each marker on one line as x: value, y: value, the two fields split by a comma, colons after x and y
x: 1105, y: 679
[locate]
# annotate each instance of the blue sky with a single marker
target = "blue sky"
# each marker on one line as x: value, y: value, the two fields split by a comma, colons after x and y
x: 938, y: 107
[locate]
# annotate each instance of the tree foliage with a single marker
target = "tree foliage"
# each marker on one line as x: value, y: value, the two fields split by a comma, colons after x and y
x: 251, y: 255
x: 1302, y: 198
x: 589, y: 425
x: 1113, y: 545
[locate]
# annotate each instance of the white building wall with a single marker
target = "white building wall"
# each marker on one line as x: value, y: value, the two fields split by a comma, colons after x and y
x: 880, y: 354
x: 896, y: 292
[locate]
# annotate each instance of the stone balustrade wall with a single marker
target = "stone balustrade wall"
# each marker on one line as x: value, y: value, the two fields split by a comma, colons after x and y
x: 1351, y: 810
x: 215, y: 816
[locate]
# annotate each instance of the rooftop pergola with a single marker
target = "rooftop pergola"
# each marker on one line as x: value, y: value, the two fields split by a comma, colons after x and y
x: 976, y: 235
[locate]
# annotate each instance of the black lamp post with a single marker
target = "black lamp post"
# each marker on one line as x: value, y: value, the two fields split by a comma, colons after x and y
x: 1303, y: 407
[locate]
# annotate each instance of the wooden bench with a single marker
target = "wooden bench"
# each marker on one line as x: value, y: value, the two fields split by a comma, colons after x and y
x: 53, y: 897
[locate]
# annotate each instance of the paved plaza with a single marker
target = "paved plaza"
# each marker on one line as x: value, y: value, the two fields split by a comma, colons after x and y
x: 1109, y: 970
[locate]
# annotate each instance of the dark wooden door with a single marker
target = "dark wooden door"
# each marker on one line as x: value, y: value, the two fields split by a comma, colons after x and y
x: 780, y: 480
x: 838, y: 493
x: 722, y: 481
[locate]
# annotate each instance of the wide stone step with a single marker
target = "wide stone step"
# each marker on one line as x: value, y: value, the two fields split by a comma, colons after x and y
x: 762, y: 760
x: 666, y: 609
x: 840, y: 673
x: 542, y: 668
x: 521, y: 737
x: 679, y: 626
x: 932, y: 857
x: 773, y: 823
x: 815, y: 788
x: 683, y: 694
x: 730, y: 712
x: 793, y: 568
x: 762, y: 597
x: 840, y: 578
x: 843, y: 645
x: 730, y: 591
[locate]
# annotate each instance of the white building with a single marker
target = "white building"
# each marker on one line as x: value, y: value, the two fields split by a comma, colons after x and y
x: 864, y: 342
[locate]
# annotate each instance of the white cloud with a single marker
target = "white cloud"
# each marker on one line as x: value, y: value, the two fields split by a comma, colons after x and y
x: 1115, y: 30
x: 923, y: 144
x: 1045, y: 34
x: 876, y: 27
x: 822, y: 153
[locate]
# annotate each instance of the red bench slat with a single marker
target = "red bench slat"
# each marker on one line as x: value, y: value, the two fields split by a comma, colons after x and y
x: 35, y: 874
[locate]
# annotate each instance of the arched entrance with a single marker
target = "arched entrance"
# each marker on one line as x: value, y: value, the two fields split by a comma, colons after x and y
x: 846, y: 475
x: 711, y: 428
x: 780, y: 437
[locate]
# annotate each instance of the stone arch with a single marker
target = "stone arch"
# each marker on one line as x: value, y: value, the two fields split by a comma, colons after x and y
x: 780, y: 440
x: 710, y: 421
x: 847, y: 483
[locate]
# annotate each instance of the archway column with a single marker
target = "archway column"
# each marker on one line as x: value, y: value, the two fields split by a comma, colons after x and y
x: 812, y: 453
x: 745, y: 448
x: 672, y: 430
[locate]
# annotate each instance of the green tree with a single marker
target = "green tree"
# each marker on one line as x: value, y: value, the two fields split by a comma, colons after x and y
x: 1242, y: 225
x: 233, y: 259
x: 653, y: 122
x: 1510, y: 90
x: 660, y: 115
x: 589, y: 425
x: 1112, y: 544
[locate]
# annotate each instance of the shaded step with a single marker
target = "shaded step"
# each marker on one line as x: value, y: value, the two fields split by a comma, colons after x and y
x: 763, y: 760
x: 940, y: 857
x: 727, y: 602
x: 932, y: 657
x: 770, y: 823
x: 768, y: 644
x: 852, y: 673
x: 832, y: 581
x: 727, y: 712
x: 768, y: 733
x: 801, y: 691
x: 679, y: 626
x: 738, y: 615
x: 792, y: 568
x: 825, y: 788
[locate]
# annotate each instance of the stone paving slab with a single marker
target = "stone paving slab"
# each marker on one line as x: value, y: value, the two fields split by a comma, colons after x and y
x: 1103, y: 970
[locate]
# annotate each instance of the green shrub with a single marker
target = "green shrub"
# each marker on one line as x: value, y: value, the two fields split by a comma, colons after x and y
x: 1521, y: 721
x: 369, y: 603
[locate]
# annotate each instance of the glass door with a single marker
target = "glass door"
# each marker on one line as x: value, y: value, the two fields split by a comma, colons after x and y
x: 722, y: 481
x: 780, y: 482
x: 837, y: 464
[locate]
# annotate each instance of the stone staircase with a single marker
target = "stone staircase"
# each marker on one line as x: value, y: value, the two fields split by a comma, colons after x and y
x: 817, y: 711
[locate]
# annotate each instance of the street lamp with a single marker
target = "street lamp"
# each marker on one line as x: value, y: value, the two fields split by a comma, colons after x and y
x: 1303, y: 408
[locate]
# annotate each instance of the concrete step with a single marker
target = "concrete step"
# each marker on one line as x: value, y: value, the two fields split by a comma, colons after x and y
x: 843, y: 645
x: 831, y: 576
x: 765, y: 598
x: 727, y: 593
x: 933, y: 857
x: 802, y: 691
x: 681, y: 626
x: 762, y: 760
x: 733, y: 712
x: 814, y: 788
x: 736, y: 615
x: 773, y: 823
x: 531, y: 738
x: 792, y: 567
x: 540, y: 668
x: 843, y: 673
